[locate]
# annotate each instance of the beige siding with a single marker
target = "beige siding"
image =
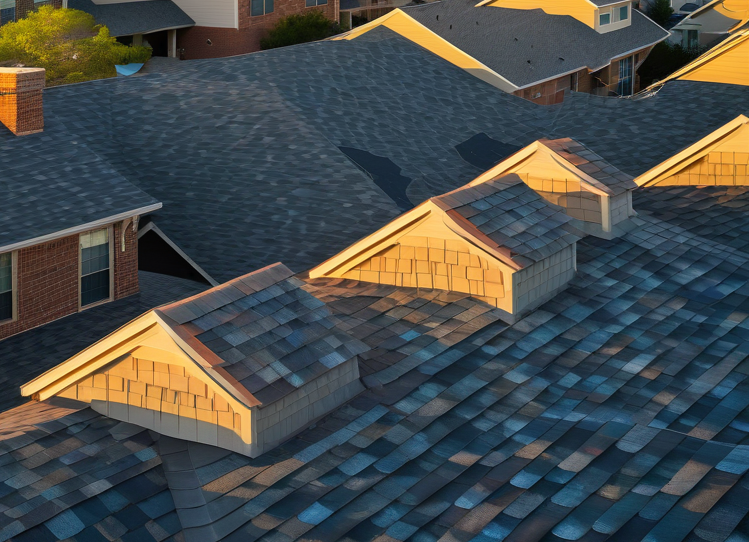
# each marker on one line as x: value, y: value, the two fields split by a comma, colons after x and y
x: 538, y: 282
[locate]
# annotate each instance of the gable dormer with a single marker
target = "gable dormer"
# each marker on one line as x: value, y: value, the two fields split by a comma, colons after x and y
x: 612, y: 16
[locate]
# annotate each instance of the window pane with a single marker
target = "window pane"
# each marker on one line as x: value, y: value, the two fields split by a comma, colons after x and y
x: 256, y: 7
x: 94, y: 287
x: 94, y: 259
x: 268, y: 6
x: 623, y: 13
x: 6, y: 272
x: 98, y: 237
x: 605, y: 18
x: 322, y: 2
x: 6, y: 306
x: 310, y: 3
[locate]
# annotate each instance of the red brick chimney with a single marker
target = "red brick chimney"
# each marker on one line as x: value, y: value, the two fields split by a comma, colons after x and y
x: 21, y: 109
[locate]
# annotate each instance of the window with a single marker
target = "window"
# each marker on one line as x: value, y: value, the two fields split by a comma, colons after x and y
x: 95, y: 268
x: 311, y: 3
x: 605, y: 18
x: 6, y: 286
x: 623, y: 13
x: 574, y: 79
x: 261, y: 7
x: 624, y: 87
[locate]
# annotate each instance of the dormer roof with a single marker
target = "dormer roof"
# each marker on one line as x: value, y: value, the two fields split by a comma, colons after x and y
x: 219, y: 367
x: 732, y: 140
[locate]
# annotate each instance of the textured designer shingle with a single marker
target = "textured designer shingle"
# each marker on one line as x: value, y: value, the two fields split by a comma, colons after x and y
x: 514, y: 217
x: 610, y: 179
x: 272, y: 336
x: 527, y: 46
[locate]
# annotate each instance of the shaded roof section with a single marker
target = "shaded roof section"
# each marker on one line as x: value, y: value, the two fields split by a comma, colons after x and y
x: 52, y: 186
x: 270, y: 335
x: 140, y: 17
x: 512, y: 216
x: 27, y: 355
x: 611, y: 180
x: 527, y: 46
x: 72, y: 474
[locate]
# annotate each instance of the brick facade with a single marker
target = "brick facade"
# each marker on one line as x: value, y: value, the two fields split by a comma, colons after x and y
x: 193, y: 42
x: 47, y: 279
x: 605, y: 79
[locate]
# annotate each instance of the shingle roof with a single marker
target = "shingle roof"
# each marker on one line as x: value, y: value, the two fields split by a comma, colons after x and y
x: 271, y: 335
x: 610, y: 179
x: 72, y: 474
x: 39, y: 197
x: 27, y: 355
x: 139, y: 17
x: 512, y: 216
x: 528, y: 46
x: 617, y: 410
x: 212, y: 156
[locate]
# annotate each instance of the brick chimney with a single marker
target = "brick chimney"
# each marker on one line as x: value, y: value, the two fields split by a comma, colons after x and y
x: 21, y: 109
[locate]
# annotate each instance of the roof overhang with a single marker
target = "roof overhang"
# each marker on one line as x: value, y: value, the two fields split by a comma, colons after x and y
x: 88, y: 226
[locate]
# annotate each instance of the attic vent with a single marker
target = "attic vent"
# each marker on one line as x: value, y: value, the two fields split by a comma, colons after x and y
x: 451, y: 27
x: 438, y: 17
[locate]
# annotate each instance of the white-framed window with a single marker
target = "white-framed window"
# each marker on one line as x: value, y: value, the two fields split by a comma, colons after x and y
x: 312, y: 3
x: 7, y: 287
x: 96, y: 267
x: 261, y: 7
x: 624, y: 13
x: 604, y: 19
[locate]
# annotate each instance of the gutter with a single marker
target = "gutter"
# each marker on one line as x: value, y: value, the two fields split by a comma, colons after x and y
x: 81, y: 228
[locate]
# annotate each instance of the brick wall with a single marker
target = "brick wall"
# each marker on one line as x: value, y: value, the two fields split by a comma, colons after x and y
x: 246, y: 39
x: 48, y: 282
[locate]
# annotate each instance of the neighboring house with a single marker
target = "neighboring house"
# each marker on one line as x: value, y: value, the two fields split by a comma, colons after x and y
x: 725, y: 63
x: 201, y: 28
x: 144, y: 22
x: 719, y: 159
x: 533, y: 49
x: 711, y: 22
x: 65, y: 244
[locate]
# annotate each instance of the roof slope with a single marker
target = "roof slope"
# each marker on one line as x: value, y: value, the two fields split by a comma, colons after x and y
x: 267, y: 332
x: 616, y: 410
x: 514, y: 217
x: 212, y: 156
x: 139, y: 17
x: 39, y: 198
x: 528, y: 46
x: 72, y: 474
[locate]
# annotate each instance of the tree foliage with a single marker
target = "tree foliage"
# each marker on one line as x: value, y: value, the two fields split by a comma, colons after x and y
x: 660, y: 11
x: 311, y: 26
x: 68, y: 44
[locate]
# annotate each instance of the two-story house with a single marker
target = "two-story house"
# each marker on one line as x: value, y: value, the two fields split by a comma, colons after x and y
x: 535, y: 49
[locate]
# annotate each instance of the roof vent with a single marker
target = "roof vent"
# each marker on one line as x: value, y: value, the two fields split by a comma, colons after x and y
x: 21, y: 108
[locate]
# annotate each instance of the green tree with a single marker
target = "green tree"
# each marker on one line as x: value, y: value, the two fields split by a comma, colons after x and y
x: 68, y: 44
x: 665, y: 59
x: 660, y: 11
x: 311, y: 26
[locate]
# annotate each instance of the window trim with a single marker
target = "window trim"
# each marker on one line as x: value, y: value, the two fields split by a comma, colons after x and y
x: 110, y: 240
x: 601, y: 16
x: 265, y: 9
x: 13, y: 288
x: 317, y: 4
